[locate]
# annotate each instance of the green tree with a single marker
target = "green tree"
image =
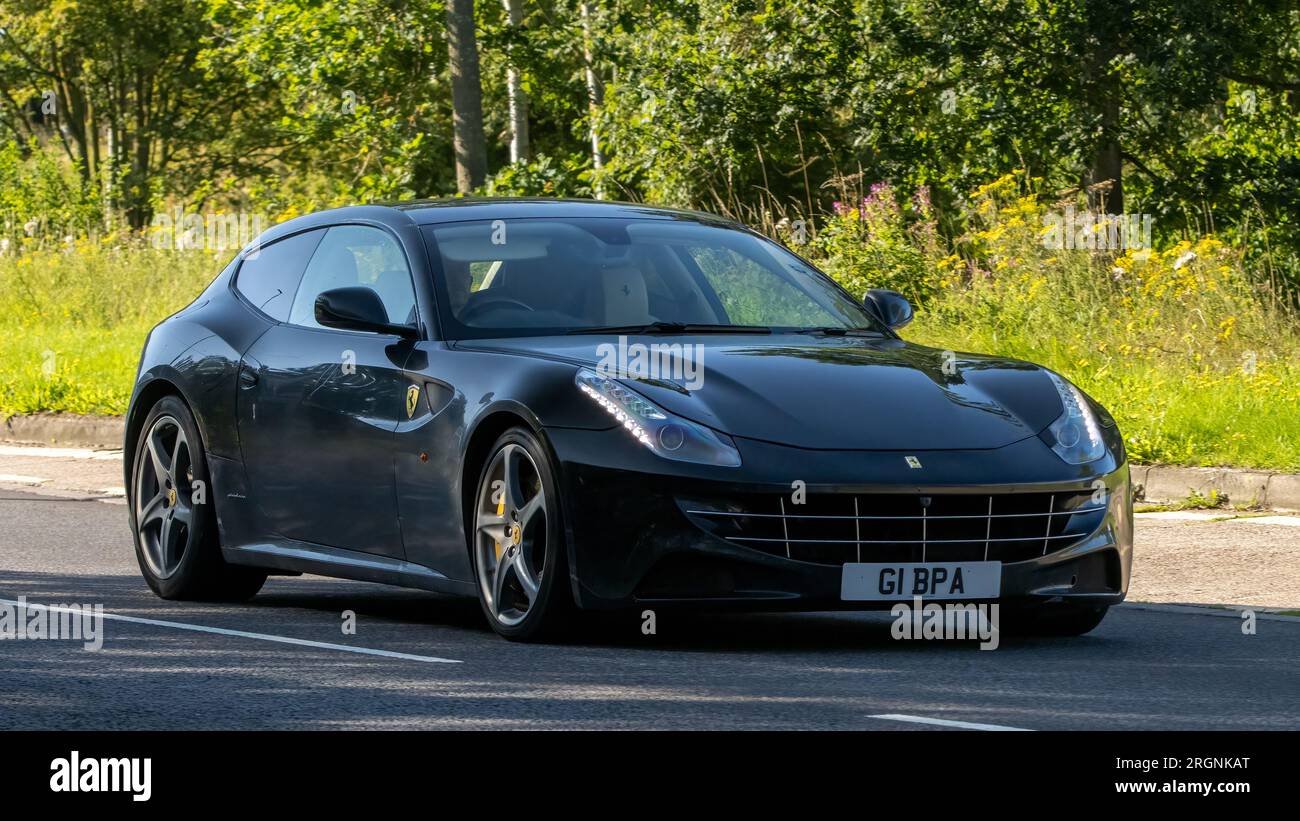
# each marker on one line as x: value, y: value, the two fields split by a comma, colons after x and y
x: 345, y: 101
x: 118, y: 85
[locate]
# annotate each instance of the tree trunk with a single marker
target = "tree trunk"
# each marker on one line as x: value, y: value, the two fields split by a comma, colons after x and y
x: 515, y: 89
x: 1106, y: 172
x: 595, y: 91
x: 1108, y: 164
x: 466, y: 97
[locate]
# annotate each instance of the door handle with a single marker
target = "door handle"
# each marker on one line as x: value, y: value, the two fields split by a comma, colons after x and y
x: 247, y: 377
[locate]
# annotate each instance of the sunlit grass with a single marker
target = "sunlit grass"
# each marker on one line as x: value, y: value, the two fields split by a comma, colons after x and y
x: 73, y: 321
x: 78, y: 369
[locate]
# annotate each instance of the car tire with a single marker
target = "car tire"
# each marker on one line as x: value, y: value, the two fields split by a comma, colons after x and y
x: 520, y: 562
x: 1059, y: 620
x: 169, y: 502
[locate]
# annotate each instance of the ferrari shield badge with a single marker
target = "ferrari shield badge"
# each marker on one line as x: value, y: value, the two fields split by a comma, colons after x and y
x: 412, y: 396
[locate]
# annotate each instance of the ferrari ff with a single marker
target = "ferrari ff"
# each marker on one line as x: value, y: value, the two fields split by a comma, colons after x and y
x: 557, y: 406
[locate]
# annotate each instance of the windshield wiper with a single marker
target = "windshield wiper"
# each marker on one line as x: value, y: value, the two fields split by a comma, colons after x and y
x: 828, y: 330
x: 673, y: 328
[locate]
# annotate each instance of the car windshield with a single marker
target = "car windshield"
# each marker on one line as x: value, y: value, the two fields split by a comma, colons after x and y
x: 533, y: 277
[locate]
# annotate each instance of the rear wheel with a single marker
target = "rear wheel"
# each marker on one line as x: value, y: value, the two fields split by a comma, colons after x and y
x: 517, y: 540
x: 1062, y: 620
x: 175, y: 526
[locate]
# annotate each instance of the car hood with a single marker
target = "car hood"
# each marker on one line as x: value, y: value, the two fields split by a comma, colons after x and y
x: 830, y: 392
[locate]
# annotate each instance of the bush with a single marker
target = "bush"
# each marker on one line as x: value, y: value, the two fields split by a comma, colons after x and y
x: 874, y: 244
x: 42, y: 199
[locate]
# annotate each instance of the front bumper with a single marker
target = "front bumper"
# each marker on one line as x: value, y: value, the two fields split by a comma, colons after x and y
x: 631, y: 544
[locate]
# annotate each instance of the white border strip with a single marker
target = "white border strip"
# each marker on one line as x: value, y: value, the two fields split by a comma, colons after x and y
x: 40, y: 451
x: 1229, y: 611
x: 244, y: 634
x: 943, y: 722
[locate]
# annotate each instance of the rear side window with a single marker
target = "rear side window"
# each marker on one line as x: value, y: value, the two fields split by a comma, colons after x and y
x: 269, y: 279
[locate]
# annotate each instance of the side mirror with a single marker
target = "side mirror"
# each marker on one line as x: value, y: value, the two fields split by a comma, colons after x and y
x: 357, y: 309
x: 890, y: 307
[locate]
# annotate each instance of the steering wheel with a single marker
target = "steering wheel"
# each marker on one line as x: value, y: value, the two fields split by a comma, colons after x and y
x: 494, y: 301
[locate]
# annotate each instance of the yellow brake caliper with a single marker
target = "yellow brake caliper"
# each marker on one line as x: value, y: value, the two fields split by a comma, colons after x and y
x: 501, y: 511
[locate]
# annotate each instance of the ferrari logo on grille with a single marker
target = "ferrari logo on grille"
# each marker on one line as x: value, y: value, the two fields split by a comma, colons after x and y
x: 913, y: 462
x: 412, y: 396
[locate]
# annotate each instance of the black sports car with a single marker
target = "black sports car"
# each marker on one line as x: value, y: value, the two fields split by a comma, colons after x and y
x: 554, y: 405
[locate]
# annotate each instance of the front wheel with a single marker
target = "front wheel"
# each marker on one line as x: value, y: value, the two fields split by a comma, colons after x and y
x: 175, y: 526
x: 517, y: 540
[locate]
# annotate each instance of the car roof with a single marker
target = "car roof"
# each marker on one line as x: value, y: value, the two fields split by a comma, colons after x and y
x: 459, y: 209
x: 465, y: 209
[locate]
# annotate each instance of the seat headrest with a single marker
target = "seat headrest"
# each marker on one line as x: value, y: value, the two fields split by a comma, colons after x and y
x: 625, y: 299
x: 343, y: 272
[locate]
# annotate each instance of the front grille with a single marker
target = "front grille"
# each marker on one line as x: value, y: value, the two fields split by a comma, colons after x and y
x: 834, y: 528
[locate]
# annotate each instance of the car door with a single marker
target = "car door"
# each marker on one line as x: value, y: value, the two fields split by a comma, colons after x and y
x: 318, y: 406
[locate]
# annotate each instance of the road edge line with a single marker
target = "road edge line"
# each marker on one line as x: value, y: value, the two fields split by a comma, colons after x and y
x: 223, y: 631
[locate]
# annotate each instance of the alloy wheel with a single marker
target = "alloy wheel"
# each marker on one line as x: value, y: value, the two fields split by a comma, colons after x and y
x: 510, y: 534
x: 164, y: 507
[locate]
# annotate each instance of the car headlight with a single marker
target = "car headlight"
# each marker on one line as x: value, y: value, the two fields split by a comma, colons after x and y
x: 669, y: 436
x: 1076, y: 432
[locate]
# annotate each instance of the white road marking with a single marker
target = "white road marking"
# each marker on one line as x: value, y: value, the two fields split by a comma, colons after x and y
x: 943, y: 722
x: 1286, y: 521
x: 1219, y: 516
x: 244, y: 634
x: 19, y: 479
x: 60, y: 453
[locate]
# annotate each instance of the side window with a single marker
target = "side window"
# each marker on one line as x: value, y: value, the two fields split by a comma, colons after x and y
x: 351, y: 256
x: 269, y: 279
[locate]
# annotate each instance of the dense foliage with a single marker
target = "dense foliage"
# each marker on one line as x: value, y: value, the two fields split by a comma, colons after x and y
x: 1184, y: 110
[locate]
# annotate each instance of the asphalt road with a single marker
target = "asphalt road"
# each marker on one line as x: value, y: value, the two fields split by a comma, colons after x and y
x: 1142, y: 669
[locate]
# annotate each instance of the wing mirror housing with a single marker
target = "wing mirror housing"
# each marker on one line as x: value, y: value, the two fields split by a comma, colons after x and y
x: 357, y: 309
x: 890, y: 307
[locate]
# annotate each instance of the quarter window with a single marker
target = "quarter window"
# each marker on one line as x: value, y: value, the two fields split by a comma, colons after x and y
x: 269, y: 278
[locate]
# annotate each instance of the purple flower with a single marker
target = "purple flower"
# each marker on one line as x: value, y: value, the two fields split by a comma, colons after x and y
x: 921, y: 199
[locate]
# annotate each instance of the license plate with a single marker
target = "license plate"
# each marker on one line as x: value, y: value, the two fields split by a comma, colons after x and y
x: 900, y: 581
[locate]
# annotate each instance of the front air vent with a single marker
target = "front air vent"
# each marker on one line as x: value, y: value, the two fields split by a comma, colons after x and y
x: 834, y: 528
